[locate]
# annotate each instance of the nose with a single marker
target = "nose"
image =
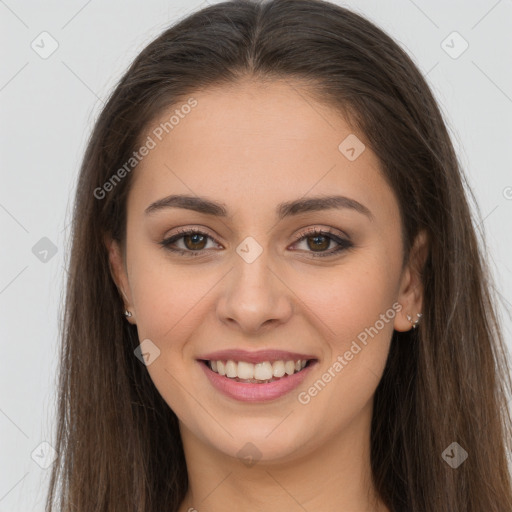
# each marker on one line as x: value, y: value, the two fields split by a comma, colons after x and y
x: 255, y: 296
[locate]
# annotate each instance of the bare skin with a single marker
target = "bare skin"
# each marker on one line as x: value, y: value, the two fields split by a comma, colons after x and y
x: 251, y: 148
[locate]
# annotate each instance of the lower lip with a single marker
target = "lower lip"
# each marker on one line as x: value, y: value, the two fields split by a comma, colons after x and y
x: 248, y: 392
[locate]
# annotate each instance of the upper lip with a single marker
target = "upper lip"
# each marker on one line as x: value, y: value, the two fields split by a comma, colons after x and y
x: 255, y: 356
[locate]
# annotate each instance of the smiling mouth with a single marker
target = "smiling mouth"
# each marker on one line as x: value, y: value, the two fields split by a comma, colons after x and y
x: 259, y: 373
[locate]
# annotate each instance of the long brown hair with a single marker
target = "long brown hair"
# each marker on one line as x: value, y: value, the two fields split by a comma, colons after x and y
x: 118, y: 442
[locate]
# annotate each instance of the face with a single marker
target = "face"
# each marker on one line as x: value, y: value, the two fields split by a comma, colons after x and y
x: 259, y: 281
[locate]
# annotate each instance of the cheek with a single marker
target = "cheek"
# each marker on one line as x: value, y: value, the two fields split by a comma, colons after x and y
x: 350, y: 297
x: 167, y: 297
x: 169, y: 301
x: 172, y: 300
x: 352, y: 307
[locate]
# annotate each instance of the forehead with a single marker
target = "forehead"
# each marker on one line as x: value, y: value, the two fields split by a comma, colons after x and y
x: 256, y: 144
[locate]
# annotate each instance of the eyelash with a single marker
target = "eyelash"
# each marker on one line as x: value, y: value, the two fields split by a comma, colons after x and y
x: 343, y: 244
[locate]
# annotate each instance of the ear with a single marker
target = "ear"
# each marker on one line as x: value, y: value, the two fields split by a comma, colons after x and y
x: 119, y: 274
x: 410, y: 294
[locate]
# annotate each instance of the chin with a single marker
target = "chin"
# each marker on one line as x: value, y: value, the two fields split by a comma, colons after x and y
x: 271, y: 441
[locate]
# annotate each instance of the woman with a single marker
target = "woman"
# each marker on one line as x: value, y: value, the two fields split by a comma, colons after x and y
x: 277, y: 300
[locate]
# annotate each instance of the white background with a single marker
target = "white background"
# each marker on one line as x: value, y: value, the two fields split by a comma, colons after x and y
x: 48, y: 107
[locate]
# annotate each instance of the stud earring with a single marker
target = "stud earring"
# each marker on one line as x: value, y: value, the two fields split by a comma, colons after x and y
x: 127, y: 313
x: 415, y: 323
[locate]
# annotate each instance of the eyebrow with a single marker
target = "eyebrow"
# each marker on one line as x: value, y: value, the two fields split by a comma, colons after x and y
x: 286, y: 209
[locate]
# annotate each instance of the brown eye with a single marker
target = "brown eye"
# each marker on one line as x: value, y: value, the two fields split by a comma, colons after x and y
x: 194, y: 242
x: 197, y: 241
x: 319, y: 242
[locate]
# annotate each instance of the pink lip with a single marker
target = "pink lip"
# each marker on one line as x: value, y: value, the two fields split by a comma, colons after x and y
x: 247, y: 392
x: 255, y: 357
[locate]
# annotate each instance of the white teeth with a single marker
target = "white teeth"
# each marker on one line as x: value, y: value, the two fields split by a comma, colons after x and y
x: 264, y: 371
x: 231, y: 369
x: 278, y: 368
x: 289, y: 367
x: 245, y: 370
